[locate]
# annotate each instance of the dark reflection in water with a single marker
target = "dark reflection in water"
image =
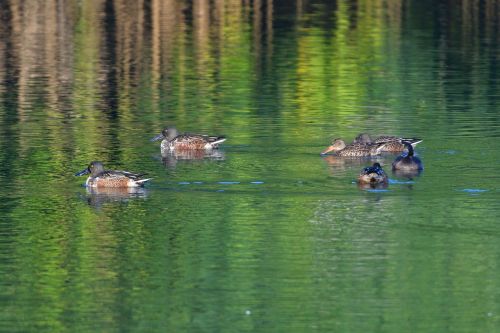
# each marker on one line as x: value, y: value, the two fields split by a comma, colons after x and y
x: 407, y: 174
x: 337, y: 163
x: 96, y: 197
x: 379, y: 186
x: 267, y: 235
x: 171, y: 158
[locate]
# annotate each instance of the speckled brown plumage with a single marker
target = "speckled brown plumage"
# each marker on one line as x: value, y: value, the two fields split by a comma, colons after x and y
x: 193, y: 141
x: 393, y: 144
x: 339, y: 148
x: 111, y: 178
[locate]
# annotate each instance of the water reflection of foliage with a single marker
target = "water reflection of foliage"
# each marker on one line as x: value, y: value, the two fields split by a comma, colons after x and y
x: 93, y: 78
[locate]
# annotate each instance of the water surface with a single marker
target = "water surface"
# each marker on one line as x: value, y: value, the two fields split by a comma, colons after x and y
x: 266, y: 235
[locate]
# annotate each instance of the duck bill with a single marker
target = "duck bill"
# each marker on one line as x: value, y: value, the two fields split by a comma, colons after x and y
x: 158, y: 137
x: 327, y: 150
x: 83, y: 172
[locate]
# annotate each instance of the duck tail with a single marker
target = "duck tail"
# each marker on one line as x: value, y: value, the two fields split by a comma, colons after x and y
x: 412, y: 141
x: 379, y: 146
x: 142, y: 181
x: 215, y: 140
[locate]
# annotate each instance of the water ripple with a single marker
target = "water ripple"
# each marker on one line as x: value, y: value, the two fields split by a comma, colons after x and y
x: 473, y: 190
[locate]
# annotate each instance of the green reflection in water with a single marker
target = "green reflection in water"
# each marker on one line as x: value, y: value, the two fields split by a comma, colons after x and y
x: 267, y: 236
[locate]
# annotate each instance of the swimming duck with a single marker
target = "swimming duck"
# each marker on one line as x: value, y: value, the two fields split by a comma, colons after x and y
x: 407, y: 161
x: 393, y: 143
x: 339, y: 148
x: 111, y: 178
x: 373, y: 175
x: 172, y: 140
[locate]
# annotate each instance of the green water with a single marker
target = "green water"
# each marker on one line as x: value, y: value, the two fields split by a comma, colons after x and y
x: 267, y: 236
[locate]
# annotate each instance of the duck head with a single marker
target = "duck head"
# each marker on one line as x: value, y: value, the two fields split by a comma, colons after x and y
x: 168, y: 133
x: 94, y: 168
x: 363, y: 138
x: 337, y: 144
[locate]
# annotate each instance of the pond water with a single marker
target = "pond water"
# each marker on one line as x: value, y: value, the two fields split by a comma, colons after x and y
x: 267, y: 235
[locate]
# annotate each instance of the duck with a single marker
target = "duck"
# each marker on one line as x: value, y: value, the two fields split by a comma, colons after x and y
x: 172, y: 140
x: 339, y: 148
x: 373, y: 175
x: 99, y: 177
x: 407, y: 161
x: 393, y: 143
